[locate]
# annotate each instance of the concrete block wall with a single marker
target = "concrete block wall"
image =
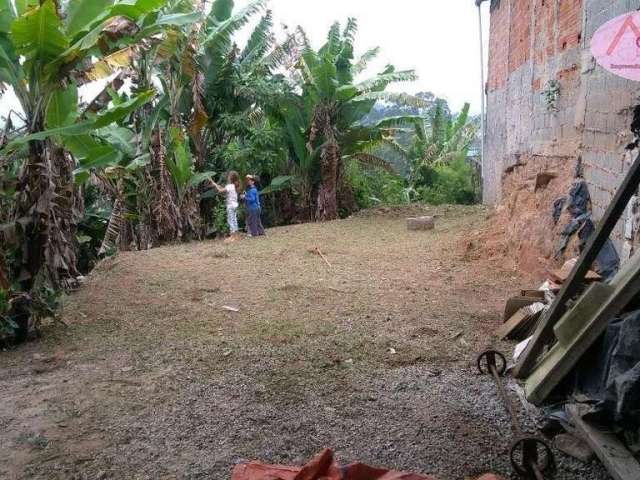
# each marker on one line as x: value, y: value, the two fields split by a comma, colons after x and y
x: 538, y: 41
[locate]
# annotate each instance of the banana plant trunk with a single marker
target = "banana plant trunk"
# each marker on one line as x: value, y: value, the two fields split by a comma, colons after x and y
x: 4, y: 277
x: 330, y: 165
x: 323, y: 129
x: 45, y: 211
x: 167, y: 216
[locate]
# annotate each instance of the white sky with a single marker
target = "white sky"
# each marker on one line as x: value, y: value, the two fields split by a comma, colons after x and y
x: 437, y: 38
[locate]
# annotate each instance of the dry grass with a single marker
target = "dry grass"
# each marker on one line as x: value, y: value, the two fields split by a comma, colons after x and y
x: 154, y: 379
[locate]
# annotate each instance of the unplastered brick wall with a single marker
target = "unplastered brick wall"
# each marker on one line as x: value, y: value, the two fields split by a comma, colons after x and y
x: 539, y: 47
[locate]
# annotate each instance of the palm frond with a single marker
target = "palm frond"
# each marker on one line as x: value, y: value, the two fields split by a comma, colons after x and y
x: 399, y: 121
x: 370, y: 160
x: 261, y: 40
x: 282, y: 54
x: 218, y: 36
x: 460, y: 121
x: 344, y: 58
x: 334, y: 43
x: 350, y: 30
x: 373, y: 146
x: 395, y: 146
x: 111, y: 63
x: 392, y: 97
x: 304, y: 38
x: 439, y: 125
x: 362, y: 64
x: 380, y: 82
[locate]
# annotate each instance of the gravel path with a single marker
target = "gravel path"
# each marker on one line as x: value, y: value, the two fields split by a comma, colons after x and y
x: 373, y: 358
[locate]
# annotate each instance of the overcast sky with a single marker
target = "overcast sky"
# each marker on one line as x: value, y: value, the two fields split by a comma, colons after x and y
x: 437, y: 38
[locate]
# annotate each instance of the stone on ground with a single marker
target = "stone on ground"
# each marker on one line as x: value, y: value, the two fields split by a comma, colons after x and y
x: 574, y: 447
x: 420, y: 223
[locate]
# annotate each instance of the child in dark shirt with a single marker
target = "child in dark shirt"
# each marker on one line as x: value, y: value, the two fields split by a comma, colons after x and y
x: 254, y: 209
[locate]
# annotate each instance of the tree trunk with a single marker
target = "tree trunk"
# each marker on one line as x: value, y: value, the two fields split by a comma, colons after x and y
x: 322, y: 128
x: 166, y: 214
x: 4, y: 279
x: 66, y: 212
x: 111, y: 236
x: 191, y: 219
x: 330, y: 163
x: 31, y: 211
x: 44, y: 209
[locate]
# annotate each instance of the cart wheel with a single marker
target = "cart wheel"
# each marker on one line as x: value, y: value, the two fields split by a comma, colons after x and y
x: 492, y: 357
x: 529, y: 451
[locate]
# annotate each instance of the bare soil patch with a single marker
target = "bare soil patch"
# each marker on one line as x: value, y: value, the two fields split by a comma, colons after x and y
x: 372, y: 357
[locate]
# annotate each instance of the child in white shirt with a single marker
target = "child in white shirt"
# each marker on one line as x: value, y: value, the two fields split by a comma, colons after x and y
x: 231, y: 191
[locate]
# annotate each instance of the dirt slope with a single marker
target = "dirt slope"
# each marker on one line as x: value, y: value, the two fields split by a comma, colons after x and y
x: 154, y: 379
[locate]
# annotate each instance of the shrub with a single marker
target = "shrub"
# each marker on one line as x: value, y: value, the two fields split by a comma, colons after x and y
x: 374, y: 186
x: 455, y: 182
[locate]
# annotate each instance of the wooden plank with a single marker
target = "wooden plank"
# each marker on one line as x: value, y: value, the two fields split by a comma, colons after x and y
x: 583, y: 329
x: 532, y: 293
x: 618, y: 461
x: 544, y: 331
x: 516, y: 303
x: 561, y: 275
x: 521, y: 320
x: 585, y: 308
x: 510, y: 325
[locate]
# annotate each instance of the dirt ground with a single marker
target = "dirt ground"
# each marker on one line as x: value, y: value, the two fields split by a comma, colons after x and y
x: 373, y: 357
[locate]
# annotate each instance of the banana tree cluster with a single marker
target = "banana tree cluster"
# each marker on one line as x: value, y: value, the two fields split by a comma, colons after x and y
x: 141, y: 101
x: 325, y: 118
x: 440, y: 138
x: 49, y: 50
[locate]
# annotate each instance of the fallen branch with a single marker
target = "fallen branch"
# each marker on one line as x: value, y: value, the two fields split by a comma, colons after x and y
x: 342, y: 291
x: 317, y: 251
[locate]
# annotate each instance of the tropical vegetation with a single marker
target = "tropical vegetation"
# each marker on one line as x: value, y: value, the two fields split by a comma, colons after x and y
x: 128, y: 107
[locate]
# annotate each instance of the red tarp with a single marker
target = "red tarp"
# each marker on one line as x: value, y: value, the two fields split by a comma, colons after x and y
x: 323, y: 467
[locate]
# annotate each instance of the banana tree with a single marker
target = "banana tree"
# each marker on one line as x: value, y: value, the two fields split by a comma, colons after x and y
x: 332, y: 108
x: 440, y: 139
x: 239, y: 86
x: 47, y: 49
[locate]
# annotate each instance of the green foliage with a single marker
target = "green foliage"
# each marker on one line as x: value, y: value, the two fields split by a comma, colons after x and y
x: 374, y: 186
x: 256, y: 148
x: 62, y: 109
x: 200, y: 103
x: 92, y: 227
x: 38, y: 36
x: 280, y: 183
x: 8, y: 325
x: 18, y: 308
x: 109, y: 116
x: 454, y: 183
x: 220, y: 224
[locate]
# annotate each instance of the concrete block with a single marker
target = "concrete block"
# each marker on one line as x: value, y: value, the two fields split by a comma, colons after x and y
x: 420, y: 223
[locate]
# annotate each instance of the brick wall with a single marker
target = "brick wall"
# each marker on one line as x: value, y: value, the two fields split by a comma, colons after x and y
x: 535, y: 42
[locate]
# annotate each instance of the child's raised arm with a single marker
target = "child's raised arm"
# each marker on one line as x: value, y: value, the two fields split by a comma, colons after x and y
x: 217, y: 187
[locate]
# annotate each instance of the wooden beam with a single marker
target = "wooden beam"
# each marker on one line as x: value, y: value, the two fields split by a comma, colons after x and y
x: 580, y: 327
x: 544, y: 331
x: 618, y: 461
x: 516, y: 303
